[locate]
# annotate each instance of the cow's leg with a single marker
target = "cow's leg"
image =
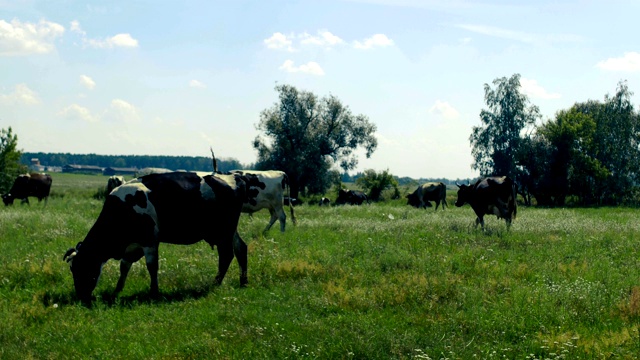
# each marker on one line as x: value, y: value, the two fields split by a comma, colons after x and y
x: 240, y: 251
x: 125, y: 266
x: 127, y: 260
x: 272, y: 220
x: 282, y: 216
x: 225, y: 255
x: 151, y: 256
x: 438, y: 204
x: 480, y: 220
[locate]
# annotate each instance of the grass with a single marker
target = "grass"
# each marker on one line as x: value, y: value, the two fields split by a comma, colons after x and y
x: 379, y: 281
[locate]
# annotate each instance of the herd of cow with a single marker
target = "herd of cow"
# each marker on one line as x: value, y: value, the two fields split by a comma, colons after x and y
x: 187, y: 207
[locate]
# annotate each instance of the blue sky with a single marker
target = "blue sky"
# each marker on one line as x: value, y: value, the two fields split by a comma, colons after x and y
x: 174, y: 78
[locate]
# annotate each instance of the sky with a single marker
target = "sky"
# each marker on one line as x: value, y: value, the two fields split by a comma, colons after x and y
x: 176, y: 78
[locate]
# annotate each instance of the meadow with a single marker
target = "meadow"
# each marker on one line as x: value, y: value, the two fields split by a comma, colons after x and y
x: 379, y: 281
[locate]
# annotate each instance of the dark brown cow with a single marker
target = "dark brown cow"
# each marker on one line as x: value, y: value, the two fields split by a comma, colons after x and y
x: 37, y: 185
x: 493, y: 195
x: 351, y: 197
x: 431, y: 191
x: 176, y: 208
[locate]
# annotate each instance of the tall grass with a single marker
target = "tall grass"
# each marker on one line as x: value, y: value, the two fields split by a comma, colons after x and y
x: 377, y: 281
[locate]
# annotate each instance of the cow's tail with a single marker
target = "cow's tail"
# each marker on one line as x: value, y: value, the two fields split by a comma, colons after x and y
x: 293, y: 216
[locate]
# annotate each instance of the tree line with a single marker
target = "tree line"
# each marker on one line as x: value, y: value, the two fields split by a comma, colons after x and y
x: 192, y: 163
x: 586, y: 155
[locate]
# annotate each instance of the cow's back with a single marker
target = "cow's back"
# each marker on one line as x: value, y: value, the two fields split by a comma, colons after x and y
x: 265, y: 189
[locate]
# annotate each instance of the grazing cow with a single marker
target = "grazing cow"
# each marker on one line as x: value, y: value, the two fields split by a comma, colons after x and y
x: 431, y: 191
x: 265, y: 190
x: 113, y: 182
x: 325, y: 202
x: 493, y: 196
x: 37, y: 185
x: 176, y: 208
x: 351, y: 197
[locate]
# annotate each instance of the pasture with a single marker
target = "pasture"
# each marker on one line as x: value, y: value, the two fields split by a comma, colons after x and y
x: 380, y: 281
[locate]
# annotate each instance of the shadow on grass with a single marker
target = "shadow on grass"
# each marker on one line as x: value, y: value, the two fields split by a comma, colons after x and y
x: 108, y: 299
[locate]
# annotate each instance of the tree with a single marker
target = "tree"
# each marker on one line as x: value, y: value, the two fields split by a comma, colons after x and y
x: 305, y: 137
x: 375, y: 183
x: 10, y: 166
x: 496, y: 143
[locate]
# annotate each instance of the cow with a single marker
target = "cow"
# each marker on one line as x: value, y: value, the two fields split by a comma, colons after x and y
x: 265, y: 190
x: 431, y: 191
x: 177, y: 208
x: 351, y: 197
x: 492, y: 195
x: 113, y: 182
x: 25, y: 185
x: 324, y: 202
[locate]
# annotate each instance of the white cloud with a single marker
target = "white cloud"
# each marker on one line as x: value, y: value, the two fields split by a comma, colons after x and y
x: 377, y: 40
x: 123, y: 111
x: 630, y: 62
x: 75, y: 28
x: 279, y: 41
x: 87, y: 82
x: 120, y: 40
x: 197, y: 84
x: 77, y: 112
x: 532, y: 88
x: 18, y: 38
x: 324, y: 39
x: 518, y: 35
x: 21, y: 95
x: 444, y: 109
x: 311, y: 67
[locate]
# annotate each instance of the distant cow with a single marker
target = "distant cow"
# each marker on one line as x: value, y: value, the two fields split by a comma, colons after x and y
x: 493, y: 196
x: 266, y: 191
x: 36, y: 185
x: 324, y: 202
x: 431, y: 191
x: 113, y: 182
x: 351, y: 197
x: 177, y: 208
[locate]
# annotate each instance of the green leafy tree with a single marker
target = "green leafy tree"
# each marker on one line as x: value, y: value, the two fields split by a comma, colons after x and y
x: 375, y: 183
x: 10, y: 166
x: 497, y: 142
x: 305, y: 136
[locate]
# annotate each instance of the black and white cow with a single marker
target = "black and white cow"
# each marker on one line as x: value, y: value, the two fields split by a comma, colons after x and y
x: 113, y: 182
x: 25, y: 185
x: 324, y: 201
x: 176, y: 208
x: 266, y: 191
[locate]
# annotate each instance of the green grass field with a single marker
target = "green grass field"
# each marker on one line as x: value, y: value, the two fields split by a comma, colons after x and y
x: 381, y: 281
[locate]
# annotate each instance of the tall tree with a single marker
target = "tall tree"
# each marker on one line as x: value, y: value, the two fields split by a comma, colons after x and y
x: 10, y: 166
x: 305, y: 136
x: 496, y: 143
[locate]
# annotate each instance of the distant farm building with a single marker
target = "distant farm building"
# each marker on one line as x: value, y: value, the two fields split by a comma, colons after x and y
x: 83, y: 169
x: 110, y: 171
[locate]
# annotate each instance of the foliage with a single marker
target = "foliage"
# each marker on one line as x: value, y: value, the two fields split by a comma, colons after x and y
x: 305, y: 136
x: 589, y: 152
x: 381, y: 281
x: 375, y: 183
x: 496, y: 143
x: 10, y: 166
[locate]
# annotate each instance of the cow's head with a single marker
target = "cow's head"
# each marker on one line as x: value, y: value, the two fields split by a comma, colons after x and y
x: 344, y: 196
x: 413, y: 200
x: 85, y: 271
x: 7, y: 199
x: 465, y: 194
